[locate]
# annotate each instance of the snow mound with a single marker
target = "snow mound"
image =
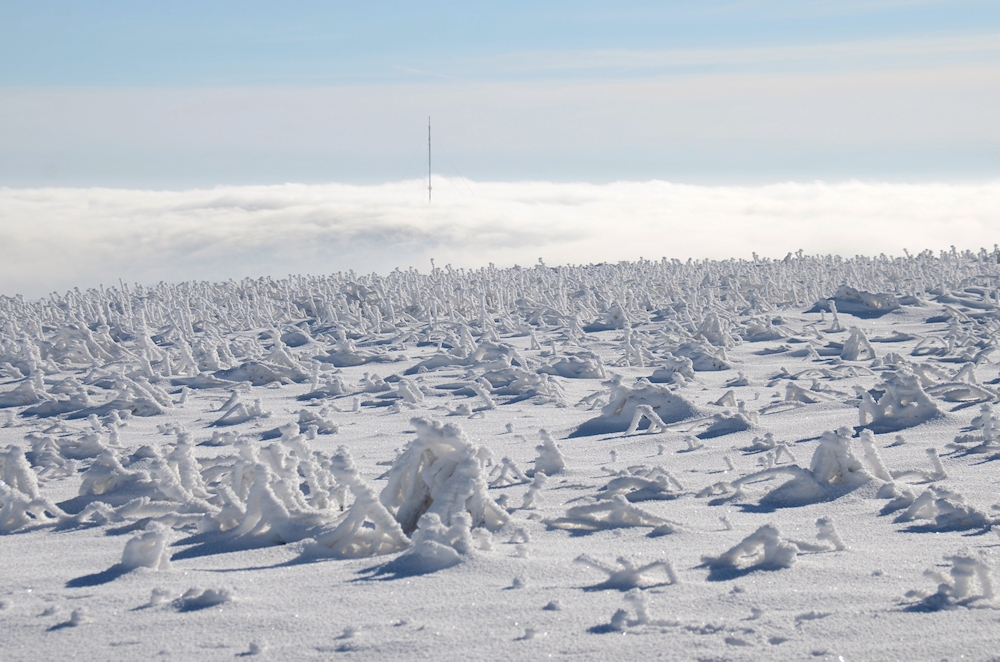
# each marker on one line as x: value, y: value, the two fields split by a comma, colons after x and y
x: 147, y: 550
x: 617, y: 415
x: 581, y: 365
x: 858, y: 303
x: 642, y: 483
x: 615, y: 513
x: 834, y: 470
x: 195, y: 599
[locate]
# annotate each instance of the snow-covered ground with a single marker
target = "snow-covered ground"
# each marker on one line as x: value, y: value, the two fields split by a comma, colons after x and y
x: 706, y: 460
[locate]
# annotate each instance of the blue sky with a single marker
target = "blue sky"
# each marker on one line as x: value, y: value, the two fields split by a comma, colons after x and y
x: 180, y: 94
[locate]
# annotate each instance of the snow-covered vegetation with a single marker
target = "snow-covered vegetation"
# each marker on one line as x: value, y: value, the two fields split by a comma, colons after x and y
x: 410, y: 464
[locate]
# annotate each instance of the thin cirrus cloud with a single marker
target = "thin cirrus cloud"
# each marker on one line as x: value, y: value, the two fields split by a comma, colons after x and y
x: 920, y: 52
x: 59, y: 238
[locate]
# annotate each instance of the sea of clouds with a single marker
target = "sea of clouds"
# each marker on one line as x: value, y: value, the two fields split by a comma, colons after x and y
x: 57, y: 238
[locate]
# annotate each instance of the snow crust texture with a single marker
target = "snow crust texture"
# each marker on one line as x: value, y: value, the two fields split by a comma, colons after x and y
x: 791, y: 459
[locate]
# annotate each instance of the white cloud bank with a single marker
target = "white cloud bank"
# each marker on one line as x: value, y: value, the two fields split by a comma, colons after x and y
x: 54, y: 239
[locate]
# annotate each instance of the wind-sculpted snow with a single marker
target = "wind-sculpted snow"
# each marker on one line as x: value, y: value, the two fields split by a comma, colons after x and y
x: 513, y: 451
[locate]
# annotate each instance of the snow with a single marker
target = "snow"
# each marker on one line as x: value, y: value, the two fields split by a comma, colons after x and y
x: 586, y: 462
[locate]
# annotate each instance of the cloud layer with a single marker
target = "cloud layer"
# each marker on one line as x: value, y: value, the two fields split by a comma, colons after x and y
x: 58, y: 238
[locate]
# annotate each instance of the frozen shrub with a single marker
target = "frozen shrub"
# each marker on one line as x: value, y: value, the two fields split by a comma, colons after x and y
x: 506, y: 474
x: 347, y: 354
x: 439, y: 472
x: 764, y: 443
x: 946, y: 511
x: 703, y: 356
x: 795, y: 393
x: 873, y: 456
x: 639, y: 602
x: 28, y: 392
x: 47, y: 458
x: 648, y: 414
x: 536, y: 486
x: 196, y: 598
x: 857, y: 347
x: 241, y: 413
x: 21, y: 503
x: 323, y: 424
x: 833, y: 461
x: 17, y: 472
x: 729, y: 422
x: 762, y: 330
x: 858, y: 302
x: 672, y: 369
x: 902, y: 404
x: 936, y: 473
x: 961, y: 392
x: 611, y: 319
x: 828, y: 533
x: 714, y: 331
x: 106, y: 475
x: 549, y: 461
x: 985, y: 430
x: 261, y: 374
x: 367, y: 529
x: 958, y: 588
x: 728, y: 399
x: 433, y: 548
x: 18, y: 510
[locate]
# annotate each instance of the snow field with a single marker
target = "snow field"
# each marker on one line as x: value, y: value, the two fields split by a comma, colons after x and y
x: 785, y: 459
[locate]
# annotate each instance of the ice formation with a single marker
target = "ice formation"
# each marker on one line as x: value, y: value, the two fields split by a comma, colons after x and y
x: 614, y: 513
x: 626, y: 574
x: 945, y: 510
x: 857, y: 347
x: 582, y: 365
x: 959, y: 587
x: 147, y: 550
x: 764, y: 549
x: 641, y: 483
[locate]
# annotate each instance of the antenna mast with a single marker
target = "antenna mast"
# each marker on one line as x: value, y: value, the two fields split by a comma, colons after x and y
x: 428, y: 159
